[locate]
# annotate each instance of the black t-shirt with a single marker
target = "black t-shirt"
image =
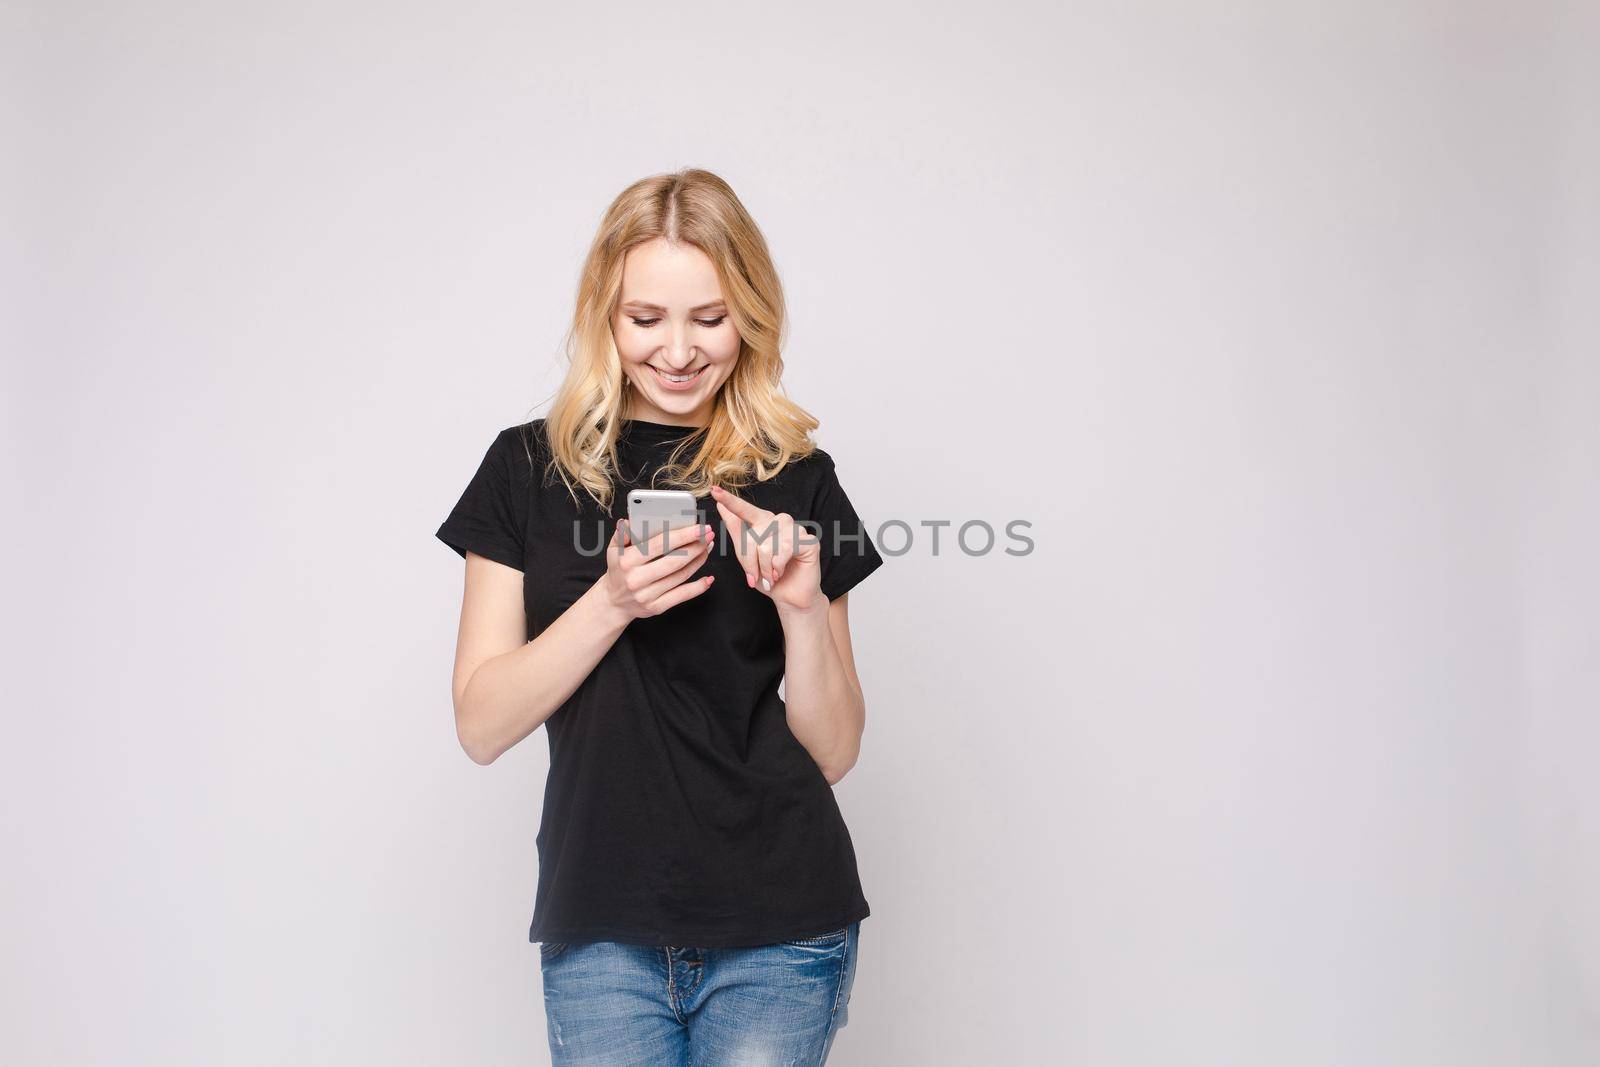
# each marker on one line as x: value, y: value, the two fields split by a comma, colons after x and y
x: 679, y: 809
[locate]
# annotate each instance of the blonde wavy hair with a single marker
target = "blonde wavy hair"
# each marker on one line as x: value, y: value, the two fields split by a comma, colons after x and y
x: 754, y: 430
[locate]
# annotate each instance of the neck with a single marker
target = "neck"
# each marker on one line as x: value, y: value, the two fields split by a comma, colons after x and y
x: 647, y: 412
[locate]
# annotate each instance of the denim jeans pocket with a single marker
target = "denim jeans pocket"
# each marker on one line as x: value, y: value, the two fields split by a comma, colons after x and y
x: 835, y: 937
x: 847, y: 980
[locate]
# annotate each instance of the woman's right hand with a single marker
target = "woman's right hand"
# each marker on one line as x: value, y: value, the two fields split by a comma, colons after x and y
x: 647, y: 578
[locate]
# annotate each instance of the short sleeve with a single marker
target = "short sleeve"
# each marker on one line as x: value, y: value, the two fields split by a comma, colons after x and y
x: 848, y: 554
x: 490, y: 518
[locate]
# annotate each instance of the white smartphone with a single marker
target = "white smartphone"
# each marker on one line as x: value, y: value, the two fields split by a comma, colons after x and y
x: 652, y: 510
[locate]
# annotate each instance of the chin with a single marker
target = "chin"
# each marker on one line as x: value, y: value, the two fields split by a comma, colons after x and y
x: 677, y: 403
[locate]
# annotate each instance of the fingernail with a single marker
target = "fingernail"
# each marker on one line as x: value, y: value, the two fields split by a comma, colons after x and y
x: 766, y: 586
x: 750, y: 580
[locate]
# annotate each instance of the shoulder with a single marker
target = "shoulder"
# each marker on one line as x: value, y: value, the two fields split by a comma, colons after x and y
x: 818, y: 460
x: 530, y: 432
x: 524, y: 439
x: 805, y: 471
x: 523, y: 447
x: 805, y: 479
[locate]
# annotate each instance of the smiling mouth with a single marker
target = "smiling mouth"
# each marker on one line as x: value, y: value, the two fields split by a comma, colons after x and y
x: 678, y: 379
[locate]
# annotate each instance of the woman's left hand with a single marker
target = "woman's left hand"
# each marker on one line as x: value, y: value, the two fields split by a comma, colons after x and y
x: 788, y: 567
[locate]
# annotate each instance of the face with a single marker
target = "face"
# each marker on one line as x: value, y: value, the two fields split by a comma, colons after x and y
x: 673, y: 332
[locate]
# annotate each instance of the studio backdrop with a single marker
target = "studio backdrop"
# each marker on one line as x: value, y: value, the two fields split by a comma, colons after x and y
x: 1270, y: 329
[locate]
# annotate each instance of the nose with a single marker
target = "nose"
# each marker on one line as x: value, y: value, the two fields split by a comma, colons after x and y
x: 679, y: 352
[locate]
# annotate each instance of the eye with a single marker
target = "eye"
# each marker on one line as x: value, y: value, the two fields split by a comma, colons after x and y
x: 707, y: 323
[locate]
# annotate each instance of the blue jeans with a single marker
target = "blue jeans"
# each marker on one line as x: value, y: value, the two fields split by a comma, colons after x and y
x: 614, y: 1005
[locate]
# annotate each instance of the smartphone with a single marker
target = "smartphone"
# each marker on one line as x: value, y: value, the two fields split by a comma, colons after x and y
x: 652, y: 510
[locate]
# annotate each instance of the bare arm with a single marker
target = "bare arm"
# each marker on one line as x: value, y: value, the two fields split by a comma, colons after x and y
x: 504, y: 686
x: 822, y: 695
x: 825, y: 707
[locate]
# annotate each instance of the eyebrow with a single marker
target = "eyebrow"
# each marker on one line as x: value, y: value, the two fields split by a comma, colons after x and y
x: 657, y: 307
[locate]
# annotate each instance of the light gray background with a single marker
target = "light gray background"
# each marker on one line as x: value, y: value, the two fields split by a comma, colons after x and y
x: 1277, y: 321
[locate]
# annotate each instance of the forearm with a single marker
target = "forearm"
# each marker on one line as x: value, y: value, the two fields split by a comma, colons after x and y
x: 510, y: 695
x: 825, y: 710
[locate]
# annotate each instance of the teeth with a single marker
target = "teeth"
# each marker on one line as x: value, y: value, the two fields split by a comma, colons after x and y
x: 676, y: 377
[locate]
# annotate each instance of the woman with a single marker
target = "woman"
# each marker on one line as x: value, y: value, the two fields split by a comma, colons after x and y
x: 697, y: 888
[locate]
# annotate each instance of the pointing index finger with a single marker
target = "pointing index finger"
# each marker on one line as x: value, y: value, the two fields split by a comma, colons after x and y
x: 742, y: 508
